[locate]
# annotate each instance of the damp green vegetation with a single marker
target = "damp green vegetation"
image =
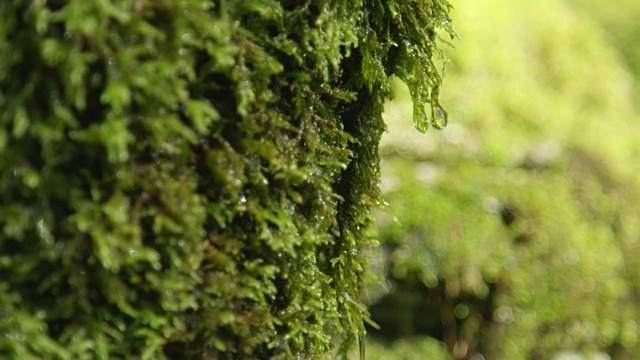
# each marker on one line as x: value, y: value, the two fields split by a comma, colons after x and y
x: 514, y: 233
x: 192, y: 179
x: 620, y: 25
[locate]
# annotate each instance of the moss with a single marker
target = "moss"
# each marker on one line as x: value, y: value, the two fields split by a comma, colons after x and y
x: 192, y: 179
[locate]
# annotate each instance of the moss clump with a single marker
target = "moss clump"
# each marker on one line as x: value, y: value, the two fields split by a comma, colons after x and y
x: 191, y: 179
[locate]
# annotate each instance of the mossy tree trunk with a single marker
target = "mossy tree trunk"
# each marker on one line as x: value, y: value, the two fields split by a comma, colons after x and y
x: 192, y: 179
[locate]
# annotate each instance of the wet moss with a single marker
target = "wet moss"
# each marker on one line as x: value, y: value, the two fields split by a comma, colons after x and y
x: 193, y: 179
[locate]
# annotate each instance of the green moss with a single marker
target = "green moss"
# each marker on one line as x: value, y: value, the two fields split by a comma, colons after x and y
x: 192, y: 179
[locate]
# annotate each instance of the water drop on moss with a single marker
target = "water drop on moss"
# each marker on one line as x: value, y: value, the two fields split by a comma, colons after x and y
x: 439, y: 117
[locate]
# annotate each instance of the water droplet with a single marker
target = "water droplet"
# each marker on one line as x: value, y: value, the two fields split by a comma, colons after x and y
x: 439, y: 117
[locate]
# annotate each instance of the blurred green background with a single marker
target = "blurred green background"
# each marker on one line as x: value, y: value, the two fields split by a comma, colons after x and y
x: 514, y: 233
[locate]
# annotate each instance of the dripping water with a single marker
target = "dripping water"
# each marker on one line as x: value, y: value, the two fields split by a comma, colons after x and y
x: 438, y: 117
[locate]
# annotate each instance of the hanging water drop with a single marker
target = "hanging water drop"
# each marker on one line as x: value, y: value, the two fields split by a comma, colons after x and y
x: 438, y: 117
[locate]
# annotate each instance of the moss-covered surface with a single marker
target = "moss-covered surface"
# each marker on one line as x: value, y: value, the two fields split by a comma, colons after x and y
x: 192, y: 179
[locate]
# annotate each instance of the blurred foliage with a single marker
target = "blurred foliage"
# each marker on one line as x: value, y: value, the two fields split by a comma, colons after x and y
x: 409, y: 349
x: 620, y: 24
x: 514, y: 232
x: 192, y: 179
